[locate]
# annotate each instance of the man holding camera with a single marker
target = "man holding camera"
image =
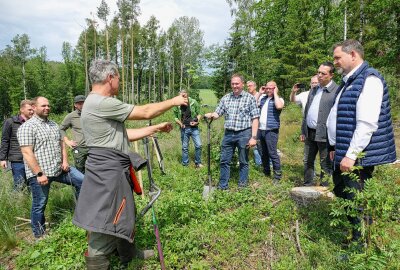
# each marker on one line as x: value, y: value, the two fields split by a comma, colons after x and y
x: 301, y: 99
x: 313, y: 129
x: 188, y: 117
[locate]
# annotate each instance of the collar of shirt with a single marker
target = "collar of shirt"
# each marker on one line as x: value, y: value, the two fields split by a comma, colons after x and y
x: 233, y: 94
x: 328, y: 85
x: 21, y: 119
x: 345, y: 78
x: 40, y: 119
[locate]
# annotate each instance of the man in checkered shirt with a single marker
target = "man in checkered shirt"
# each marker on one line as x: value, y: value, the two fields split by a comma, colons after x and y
x: 45, y: 159
x: 241, y: 125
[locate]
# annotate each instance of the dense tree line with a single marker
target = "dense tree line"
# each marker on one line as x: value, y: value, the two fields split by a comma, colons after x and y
x: 154, y: 64
x: 285, y: 40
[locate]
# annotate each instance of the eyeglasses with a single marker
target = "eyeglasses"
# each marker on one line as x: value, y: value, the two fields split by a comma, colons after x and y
x: 269, y: 88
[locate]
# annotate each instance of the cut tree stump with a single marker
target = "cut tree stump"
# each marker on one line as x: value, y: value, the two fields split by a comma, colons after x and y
x: 306, y: 195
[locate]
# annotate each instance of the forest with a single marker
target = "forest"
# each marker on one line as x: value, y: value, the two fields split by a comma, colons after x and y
x: 281, y: 40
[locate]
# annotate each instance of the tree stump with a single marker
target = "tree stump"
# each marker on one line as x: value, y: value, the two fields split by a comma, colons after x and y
x: 306, y: 195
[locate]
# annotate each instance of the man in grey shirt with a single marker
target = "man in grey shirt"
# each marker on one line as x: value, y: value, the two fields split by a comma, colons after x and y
x: 77, y: 143
x: 107, y: 209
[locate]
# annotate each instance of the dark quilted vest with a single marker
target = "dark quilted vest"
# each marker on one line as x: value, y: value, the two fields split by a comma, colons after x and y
x: 381, y: 148
x: 273, y: 120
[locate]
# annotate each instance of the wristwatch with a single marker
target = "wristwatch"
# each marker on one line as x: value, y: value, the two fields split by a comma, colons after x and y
x: 39, y: 174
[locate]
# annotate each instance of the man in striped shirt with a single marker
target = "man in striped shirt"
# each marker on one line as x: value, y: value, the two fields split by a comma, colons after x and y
x: 241, y: 125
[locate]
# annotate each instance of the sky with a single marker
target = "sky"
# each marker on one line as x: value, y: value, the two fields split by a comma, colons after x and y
x: 51, y: 22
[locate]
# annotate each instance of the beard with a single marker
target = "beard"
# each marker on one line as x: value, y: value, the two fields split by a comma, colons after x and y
x: 340, y: 71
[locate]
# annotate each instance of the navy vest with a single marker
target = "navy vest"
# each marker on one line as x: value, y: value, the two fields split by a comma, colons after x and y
x: 273, y: 120
x: 381, y: 148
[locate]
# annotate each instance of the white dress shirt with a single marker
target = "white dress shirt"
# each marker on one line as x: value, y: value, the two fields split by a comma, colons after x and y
x: 368, y: 108
x: 313, y: 110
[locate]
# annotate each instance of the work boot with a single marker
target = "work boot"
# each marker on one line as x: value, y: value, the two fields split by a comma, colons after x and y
x: 143, y: 254
x: 97, y: 263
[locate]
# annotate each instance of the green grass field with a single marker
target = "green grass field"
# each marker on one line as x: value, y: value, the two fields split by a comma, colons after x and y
x: 252, y: 228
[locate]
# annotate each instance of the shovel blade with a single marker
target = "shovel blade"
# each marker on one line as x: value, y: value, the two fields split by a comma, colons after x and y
x: 207, y: 190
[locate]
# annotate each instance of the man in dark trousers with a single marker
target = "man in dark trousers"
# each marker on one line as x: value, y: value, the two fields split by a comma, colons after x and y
x: 10, y: 150
x: 106, y: 208
x: 77, y: 143
x: 359, y: 122
x: 313, y: 129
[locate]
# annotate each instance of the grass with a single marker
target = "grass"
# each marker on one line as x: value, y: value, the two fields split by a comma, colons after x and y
x: 252, y: 228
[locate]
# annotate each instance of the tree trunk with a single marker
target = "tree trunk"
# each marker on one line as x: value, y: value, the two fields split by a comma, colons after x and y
x: 86, y: 67
x: 107, y: 46
x: 132, y: 66
x: 122, y: 65
x: 23, y: 78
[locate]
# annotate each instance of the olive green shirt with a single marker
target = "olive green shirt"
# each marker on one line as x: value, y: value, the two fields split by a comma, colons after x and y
x: 73, y: 121
x: 103, y: 122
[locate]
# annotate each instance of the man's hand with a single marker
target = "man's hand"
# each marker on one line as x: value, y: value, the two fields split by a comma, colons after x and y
x: 65, y: 166
x: 276, y: 90
x: 3, y: 164
x: 262, y: 90
x: 302, y: 138
x: 332, y: 155
x: 211, y: 115
x: 42, y: 180
x: 252, y: 142
x: 70, y: 143
x: 295, y: 88
x: 346, y: 164
x: 180, y: 100
x: 164, y: 127
x: 194, y: 123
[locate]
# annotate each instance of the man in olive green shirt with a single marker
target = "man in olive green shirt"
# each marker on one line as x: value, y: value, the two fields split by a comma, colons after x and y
x: 77, y: 144
x: 188, y: 117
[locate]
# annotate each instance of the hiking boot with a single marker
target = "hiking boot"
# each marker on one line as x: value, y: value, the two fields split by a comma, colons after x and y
x: 199, y: 166
x: 143, y: 254
x: 97, y: 263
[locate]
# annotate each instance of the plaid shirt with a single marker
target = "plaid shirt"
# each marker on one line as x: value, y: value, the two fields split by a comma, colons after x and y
x: 239, y: 110
x: 45, y: 138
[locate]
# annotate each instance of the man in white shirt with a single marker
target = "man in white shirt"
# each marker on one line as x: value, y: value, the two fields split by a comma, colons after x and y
x: 271, y: 105
x: 252, y: 89
x: 301, y: 99
x: 313, y: 129
x: 359, y: 122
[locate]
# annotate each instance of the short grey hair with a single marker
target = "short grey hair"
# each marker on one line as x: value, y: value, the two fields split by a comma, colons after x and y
x: 100, y: 69
x: 350, y: 45
x: 252, y: 82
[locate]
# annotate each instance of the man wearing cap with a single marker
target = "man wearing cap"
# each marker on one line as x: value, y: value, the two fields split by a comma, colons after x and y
x: 77, y: 144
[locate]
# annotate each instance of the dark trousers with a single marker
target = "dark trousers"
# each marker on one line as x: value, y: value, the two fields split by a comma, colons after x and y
x: 311, y: 148
x: 269, y: 142
x: 80, y: 155
x: 342, y: 181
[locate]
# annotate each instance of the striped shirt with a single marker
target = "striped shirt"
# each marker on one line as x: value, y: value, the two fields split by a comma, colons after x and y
x: 45, y: 138
x: 239, y: 110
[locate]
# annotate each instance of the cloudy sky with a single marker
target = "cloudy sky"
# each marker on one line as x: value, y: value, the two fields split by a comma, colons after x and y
x: 51, y: 22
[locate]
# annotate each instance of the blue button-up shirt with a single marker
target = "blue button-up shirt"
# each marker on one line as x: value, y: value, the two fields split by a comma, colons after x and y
x: 239, y: 111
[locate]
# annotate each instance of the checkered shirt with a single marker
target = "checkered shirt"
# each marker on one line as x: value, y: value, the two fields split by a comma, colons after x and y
x: 239, y: 110
x: 45, y: 138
